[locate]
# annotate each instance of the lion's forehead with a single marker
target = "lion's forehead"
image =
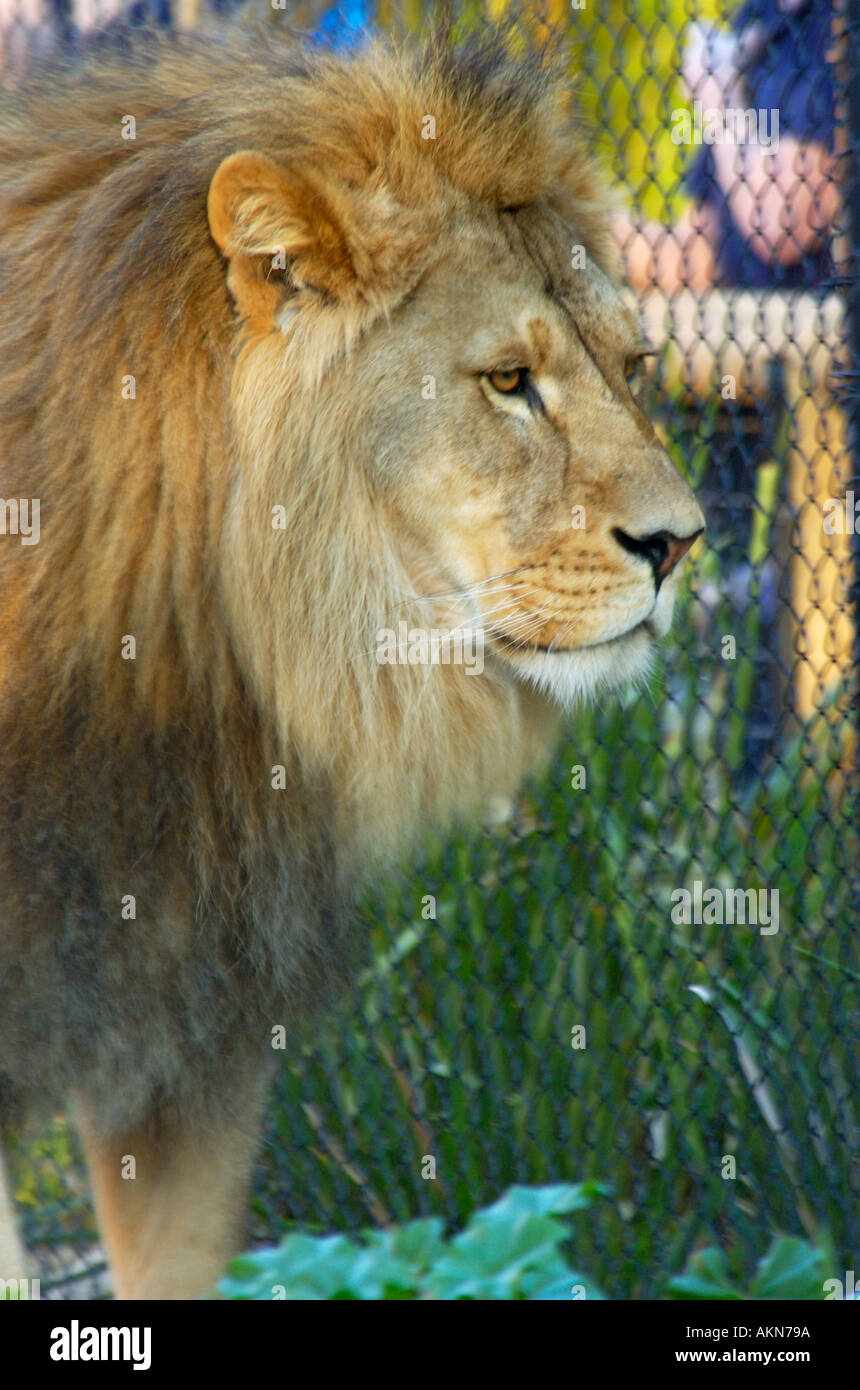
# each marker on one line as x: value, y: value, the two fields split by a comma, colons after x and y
x: 526, y: 289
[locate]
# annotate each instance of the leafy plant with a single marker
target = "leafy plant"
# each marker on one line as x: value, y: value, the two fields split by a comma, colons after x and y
x: 791, y: 1268
x: 510, y: 1250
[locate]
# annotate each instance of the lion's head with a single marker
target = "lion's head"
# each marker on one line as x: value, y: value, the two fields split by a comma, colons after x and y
x: 446, y: 302
x: 379, y: 377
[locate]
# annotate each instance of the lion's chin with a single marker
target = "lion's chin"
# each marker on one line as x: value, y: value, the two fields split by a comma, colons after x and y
x: 573, y: 677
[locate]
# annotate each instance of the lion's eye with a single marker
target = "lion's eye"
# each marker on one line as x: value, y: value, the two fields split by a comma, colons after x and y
x: 510, y: 381
x: 633, y: 369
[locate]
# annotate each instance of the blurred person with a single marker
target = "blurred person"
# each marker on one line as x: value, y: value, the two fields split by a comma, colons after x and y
x: 764, y: 204
x: 762, y: 214
x: 26, y: 28
x: 31, y: 30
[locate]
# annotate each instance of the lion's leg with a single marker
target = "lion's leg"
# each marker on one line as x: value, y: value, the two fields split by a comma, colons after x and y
x: 170, y: 1229
x: 12, y: 1259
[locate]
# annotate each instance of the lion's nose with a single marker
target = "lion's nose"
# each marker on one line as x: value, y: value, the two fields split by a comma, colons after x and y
x: 661, y: 549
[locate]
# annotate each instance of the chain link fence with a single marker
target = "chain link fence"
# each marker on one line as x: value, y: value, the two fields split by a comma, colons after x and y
x: 541, y: 1002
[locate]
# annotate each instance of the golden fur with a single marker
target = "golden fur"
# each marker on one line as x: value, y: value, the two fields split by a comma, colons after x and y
x: 311, y: 297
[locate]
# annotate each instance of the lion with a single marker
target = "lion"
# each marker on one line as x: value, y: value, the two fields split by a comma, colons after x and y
x: 298, y: 350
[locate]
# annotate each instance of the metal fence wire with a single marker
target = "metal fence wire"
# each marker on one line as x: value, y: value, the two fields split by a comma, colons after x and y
x: 539, y: 1001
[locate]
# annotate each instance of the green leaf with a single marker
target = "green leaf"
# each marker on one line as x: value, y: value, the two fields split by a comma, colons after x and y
x: 305, y: 1267
x: 416, y: 1243
x: 555, y: 1283
x: 705, y: 1276
x: 792, y: 1268
x: 552, y: 1200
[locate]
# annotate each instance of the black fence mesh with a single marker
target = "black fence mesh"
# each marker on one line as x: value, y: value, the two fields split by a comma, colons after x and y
x: 538, y: 1003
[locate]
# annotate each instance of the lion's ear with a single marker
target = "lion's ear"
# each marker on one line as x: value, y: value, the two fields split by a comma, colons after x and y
x: 258, y: 209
